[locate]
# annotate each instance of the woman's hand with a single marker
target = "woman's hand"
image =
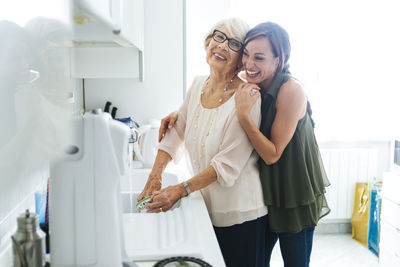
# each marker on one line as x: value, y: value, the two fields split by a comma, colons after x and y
x: 245, y: 98
x: 153, y: 184
x: 166, y: 124
x: 164, y: 199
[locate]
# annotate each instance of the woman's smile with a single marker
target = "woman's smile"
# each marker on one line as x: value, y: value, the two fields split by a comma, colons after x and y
x: 219, y: 56
x: 252, y: 74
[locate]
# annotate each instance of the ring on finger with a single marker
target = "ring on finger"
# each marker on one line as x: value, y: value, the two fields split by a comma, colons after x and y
x: 252, y: 92
x: 161, y: 210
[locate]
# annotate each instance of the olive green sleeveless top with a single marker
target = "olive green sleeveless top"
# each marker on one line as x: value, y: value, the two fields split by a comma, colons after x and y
x: 294, y: 186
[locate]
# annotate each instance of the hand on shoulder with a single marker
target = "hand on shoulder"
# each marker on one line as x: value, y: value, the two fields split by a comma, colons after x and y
x: 246, y: 95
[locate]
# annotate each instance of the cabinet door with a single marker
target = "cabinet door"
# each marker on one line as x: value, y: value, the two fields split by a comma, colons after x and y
x: 132, y: 22
x: 108, y: 11
x: 391, y: 186
x: 105, y: 62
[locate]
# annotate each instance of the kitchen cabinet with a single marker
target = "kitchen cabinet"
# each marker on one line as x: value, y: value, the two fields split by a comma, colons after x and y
x: 108, y: 39
x: 108, y: 12
x: 389, y: 249
x: 111, y: 61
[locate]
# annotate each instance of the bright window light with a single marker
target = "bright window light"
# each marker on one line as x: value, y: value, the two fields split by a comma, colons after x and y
x: 346, y: 53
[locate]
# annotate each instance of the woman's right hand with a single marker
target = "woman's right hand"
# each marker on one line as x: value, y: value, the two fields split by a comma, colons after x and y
x: 153, y: 184
x: 166, y: 124
x: 245, y: 98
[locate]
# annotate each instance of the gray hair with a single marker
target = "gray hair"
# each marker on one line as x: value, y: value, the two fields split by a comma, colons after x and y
x: 236, y: 27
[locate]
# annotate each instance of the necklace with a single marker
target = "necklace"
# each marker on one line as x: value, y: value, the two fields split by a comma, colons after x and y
x: 225, y: 88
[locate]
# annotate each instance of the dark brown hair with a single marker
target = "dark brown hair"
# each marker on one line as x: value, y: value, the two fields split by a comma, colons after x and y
x: 279, y: 40
x: 280, y: 44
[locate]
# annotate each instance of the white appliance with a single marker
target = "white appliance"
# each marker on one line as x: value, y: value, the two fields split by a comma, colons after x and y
x: 85, y: 201
x: 145, y: 147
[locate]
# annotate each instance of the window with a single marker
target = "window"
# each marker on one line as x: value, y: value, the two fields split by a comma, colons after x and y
x: 346, y: 53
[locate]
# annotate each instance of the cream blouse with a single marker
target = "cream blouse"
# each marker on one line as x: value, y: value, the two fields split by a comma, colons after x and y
x: 215, y: 137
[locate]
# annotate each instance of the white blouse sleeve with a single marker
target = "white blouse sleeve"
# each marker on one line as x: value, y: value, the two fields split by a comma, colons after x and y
x: 173, y: 141
x: 235, y: 149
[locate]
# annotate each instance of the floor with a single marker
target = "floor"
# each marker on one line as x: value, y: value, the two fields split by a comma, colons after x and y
x: 334, y: 250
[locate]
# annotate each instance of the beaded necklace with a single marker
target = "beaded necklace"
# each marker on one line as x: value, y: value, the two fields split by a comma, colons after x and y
x: 225, y: 88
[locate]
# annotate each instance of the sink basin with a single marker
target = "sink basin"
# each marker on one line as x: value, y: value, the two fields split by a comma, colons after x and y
x: 137, y: 178
x: 155, y: 236
x: 133, y: 186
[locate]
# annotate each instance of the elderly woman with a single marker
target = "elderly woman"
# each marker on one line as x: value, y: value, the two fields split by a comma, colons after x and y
x: 224, y: 163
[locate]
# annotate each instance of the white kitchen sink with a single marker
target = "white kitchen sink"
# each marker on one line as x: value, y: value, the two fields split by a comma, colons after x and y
x: 138, y: 179
x: 130, y: 189
x: 155, y: 236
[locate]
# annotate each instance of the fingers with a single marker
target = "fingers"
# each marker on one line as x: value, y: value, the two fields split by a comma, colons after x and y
x: 171, y: 124
x: 157, y: 210
x: 250, y: 90
x: 249, y: 86
x: 159, y: 206
x: 160, y: 199
x: 242, y: 86
x: 163, y: 129
x: 166, y: 124
x: 173, y: 116
x: 144, y: 194
x: 161, y: 133
x: 254, y: 92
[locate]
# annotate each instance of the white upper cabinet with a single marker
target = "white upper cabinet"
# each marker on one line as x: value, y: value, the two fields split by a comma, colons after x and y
x: 132, y: 22
x: 113, y: 26
x: 105, y: 11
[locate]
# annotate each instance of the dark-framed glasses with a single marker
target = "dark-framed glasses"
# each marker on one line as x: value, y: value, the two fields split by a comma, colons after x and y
x: 221, y: 37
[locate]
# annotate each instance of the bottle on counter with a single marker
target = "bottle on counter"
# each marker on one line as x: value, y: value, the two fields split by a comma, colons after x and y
x: 28, y: 242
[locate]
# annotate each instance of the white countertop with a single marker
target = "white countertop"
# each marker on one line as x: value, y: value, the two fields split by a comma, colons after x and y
x: 209, y: 243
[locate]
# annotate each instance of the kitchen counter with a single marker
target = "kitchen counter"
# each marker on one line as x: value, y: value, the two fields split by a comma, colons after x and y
x: 209, y: 244
x: 208, y: 241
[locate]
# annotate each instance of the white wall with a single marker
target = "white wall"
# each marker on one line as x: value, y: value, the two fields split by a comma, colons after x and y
x: 37, y: 110
x: 162, y: 89
x: 201, y: 17
x: 347, y: 163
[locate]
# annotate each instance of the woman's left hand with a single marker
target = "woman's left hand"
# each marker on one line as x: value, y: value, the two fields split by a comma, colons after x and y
x: 164, y: 199
x: 245, y: 98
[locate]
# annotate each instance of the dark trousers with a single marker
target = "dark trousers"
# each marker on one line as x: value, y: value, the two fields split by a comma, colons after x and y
x: 243, y: 245
x: 295, y: 247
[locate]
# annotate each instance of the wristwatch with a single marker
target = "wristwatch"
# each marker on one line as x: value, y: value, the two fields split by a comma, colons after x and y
x: 187, y: 188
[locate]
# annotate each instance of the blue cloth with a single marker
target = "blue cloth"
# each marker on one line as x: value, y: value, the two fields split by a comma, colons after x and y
x: 373, y: 223
x: 295, y: 247
x: 243, y: 244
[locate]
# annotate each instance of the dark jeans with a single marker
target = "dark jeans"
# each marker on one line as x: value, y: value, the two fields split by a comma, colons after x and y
x: 295, y: 248
x: 243, y: 245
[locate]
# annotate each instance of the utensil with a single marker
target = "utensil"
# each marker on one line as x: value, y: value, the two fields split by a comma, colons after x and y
x: 114, y: 112
x: 107, y: 107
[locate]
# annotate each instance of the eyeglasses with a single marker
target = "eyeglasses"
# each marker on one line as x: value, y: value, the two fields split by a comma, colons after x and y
x: 221, y: 37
